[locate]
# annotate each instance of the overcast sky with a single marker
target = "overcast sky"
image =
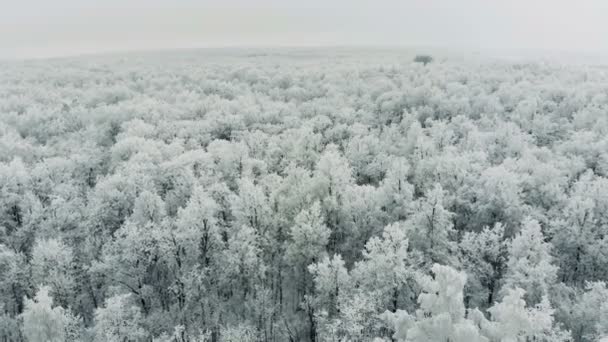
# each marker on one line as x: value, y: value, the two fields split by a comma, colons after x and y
x: 43, y: 28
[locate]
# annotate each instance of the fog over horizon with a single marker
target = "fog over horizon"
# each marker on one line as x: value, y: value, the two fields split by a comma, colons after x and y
x: 37, y: 29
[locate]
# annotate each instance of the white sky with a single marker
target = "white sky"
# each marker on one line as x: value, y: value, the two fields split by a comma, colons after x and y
x: 42, y: 28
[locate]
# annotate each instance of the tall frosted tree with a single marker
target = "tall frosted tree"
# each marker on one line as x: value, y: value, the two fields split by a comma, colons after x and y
x: 387, y: 270
x: 53, y: 264
x: 118, y: 321
x: 332, y: 288
x: 308, y: 237
x: 513, y: 320
x: 15, y: 280
x: 530, y: 263
x: 398, y: 192
x: 584, y: 313
x: 148, y: 208
x: 579, y: 232
x: 331, y: 178
x: 430, y: 227
x: 251, y: 206
x: 43, y: 322
x: 307, y: 244
x: 485, y: 256
x: 242, y: 267
x: 441, y: 312
x: 197, y: 231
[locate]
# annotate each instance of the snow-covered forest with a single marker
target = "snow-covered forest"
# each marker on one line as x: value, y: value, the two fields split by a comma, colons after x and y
x: 302, y: 196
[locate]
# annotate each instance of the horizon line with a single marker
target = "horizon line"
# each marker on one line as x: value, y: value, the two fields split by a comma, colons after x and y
x: 363, y: 46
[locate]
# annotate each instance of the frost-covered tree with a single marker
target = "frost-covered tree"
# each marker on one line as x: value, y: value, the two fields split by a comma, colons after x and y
x: 332, y: 285
x: 386, y: 272
x: 585, y: 312
x: 308, y: 237
x: 430, y: 227
x: 148, y: 207
x: 53, y: 264
x: 398, y: 192
x: 441, y: 313
x: 330, y: 180
x: 14, y: 283
x: 424, y: 59
x: 119, y: 320
x: 512, y: 320
x: 43, y: 322
x: 485, y: 259
x: 498, y: 198
x: 529, y: 266
x: 307, y: 245
x: 197, y: 232
x: 579, y: 232
x: 241, y: 265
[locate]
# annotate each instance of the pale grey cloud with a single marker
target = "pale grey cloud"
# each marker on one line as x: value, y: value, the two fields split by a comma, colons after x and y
x: 36, y: 28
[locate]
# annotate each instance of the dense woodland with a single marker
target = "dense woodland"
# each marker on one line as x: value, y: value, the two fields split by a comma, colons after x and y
x: 301, y: 196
